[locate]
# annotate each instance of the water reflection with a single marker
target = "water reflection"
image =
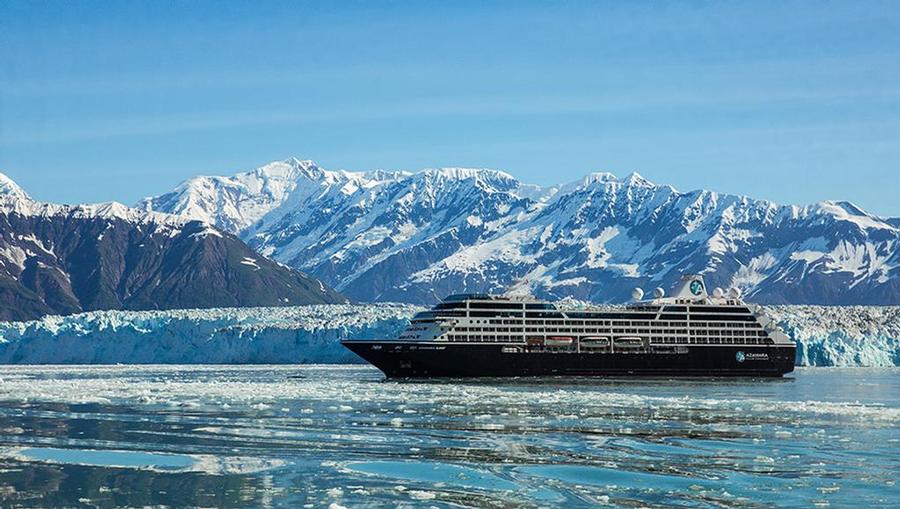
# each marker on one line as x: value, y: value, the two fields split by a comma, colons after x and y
x: 291, y: 436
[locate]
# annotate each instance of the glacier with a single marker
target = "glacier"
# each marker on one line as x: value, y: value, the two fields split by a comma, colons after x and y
x: 264, y: 335
x: 825, y: 335
x: 842, y: 335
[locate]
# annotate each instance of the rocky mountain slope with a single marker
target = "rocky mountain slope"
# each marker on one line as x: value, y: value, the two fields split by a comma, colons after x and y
x: 412, y: 237
x: 64, y: 259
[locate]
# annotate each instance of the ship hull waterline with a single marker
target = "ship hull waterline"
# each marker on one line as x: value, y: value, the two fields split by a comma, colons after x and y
x: 400, y: 359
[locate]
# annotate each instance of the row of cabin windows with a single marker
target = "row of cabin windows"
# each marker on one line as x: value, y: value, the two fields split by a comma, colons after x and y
x: 474, y: 338
x: 539, y: 309
x: 607, y: 323
x: 488, y: 329
x: 533, y: 307
x: 654, y: 325
x: 617, y: 330
x: 578, y: 317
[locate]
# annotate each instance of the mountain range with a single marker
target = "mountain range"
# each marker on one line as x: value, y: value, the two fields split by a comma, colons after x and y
x: 63, y: 259
x: 415, y: 237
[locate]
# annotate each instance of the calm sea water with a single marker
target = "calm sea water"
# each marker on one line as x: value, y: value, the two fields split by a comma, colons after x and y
x: 333, y: 436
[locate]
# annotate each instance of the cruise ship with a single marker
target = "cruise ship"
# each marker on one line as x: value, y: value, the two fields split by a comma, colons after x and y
x: 691, y: 333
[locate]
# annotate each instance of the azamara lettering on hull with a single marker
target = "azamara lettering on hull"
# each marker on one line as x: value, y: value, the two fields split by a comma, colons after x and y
x: 692, y: 333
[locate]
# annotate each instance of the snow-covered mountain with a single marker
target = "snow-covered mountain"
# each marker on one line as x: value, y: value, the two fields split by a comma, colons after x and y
x: 412, y: 237
x: 65, y: 259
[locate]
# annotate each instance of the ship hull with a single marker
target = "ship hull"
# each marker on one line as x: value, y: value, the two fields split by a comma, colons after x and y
x: 398, y: 359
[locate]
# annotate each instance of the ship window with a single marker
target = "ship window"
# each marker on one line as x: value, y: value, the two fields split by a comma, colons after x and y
x: 450, y: 305
x: 719, y: 309
x: 724, y: 318
x: 495, y: 305
x: 537, y: 314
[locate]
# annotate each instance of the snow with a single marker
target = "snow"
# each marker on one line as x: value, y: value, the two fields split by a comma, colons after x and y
x: 839, y: 210
x: 206, y: 232
x: 754, y: 272
x: 808, y: 256
x: 861, y: 260
x: 596, y: 247
x: 250, y: 262
x: 626, y: 269
x: 9, y: 190
x: 826, y: 336
x: 15, y: 201
x: 474, y: 220
x: 15, y: 255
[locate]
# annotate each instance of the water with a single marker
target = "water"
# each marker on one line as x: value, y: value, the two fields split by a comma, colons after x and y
x: 338, y: 436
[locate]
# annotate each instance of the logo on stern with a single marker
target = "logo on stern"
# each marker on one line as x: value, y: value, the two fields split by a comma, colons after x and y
x: 740, y: 356
x: 696, y: 287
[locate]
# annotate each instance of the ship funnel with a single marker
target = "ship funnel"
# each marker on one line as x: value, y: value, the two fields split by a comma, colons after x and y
x: 691, y: 287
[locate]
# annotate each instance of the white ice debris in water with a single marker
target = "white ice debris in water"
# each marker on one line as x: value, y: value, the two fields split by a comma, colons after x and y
x: 143, y: 460
x: 825, y: 336
x: 301, y: 334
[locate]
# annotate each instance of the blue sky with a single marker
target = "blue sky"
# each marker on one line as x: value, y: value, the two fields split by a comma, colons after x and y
x: 790, y: 101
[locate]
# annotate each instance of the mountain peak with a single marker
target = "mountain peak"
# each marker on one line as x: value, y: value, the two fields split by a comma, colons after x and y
x: 9, y: 189
x: 290, y: 169
x: 464, y: 173
x: 848, y: 211
x: 850, y: 207
x: 300, y: 163
x: 599, y: 177
x: 482, y: 177
x: 636, y: 179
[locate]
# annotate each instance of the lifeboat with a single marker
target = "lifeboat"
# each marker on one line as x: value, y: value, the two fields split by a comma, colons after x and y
x: 594, y: 342
x: 628, y: 342
x: 534, y: 341
x: 558, y: 341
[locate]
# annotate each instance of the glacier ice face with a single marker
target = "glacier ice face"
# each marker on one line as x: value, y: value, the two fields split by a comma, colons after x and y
x: 842, y: 335
x: 825, y: 336
x: 303, y: 334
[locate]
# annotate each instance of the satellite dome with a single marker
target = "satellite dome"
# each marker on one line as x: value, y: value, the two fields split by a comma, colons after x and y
x: 659, y: 293
x: 637, y: 294
x: 718, y: 293
x: 735, y: 293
